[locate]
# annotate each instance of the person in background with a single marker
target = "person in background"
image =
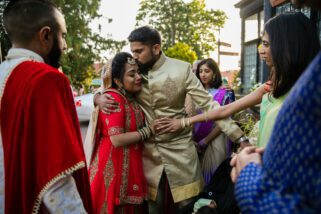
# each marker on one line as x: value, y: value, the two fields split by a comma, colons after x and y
x: 276, y: 42
x: 214, y: 147
x: 285, y: 178
x: 42, y: 167
x: 189, y: 106
x: 81, y: 90
x: 194, y: 67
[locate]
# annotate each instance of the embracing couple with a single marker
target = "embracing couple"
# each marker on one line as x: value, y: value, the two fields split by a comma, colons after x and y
x: 129, y: 163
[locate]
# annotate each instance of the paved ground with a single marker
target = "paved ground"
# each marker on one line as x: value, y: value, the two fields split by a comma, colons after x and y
x: 83, y: 129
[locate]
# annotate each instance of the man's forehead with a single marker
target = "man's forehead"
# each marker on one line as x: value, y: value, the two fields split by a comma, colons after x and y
x: 61, y: 20
x: 137, y: 45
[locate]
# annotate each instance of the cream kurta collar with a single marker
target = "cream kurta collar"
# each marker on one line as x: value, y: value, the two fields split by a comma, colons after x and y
x: 159, y: 62
x: 16, y: 53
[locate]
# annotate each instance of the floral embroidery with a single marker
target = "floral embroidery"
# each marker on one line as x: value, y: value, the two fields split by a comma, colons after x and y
x: 93, y: 168
x: 170, y: 90
x: 124, y: 181
x: 103, y: 209
x: 108, y: 178
x: 109, y: 171
x: 128, y: 120
x: 115, y: 130
x: 133, y: 200
x: 138, y: 115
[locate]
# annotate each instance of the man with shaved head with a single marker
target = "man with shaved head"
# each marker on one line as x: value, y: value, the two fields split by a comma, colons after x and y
x: 42, y: 163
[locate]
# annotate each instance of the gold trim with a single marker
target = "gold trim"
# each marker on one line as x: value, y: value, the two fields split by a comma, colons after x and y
x: 61, y: 175
x: 187, y: 191
x: 93, y: 168
x: 125, y: 165
x: 152, y: 193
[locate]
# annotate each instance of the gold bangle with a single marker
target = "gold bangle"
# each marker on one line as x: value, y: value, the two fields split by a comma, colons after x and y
x: 151, y: 130
x: 183, y: 123
x: 141, y: 134
x: 148, y: 132
x: 188, y: 122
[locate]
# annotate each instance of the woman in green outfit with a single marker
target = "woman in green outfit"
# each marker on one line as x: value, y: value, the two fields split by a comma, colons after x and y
x: 287, y: 55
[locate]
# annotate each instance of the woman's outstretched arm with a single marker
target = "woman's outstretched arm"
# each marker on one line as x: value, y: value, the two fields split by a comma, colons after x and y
x: 168, y: 125
x: 245, y: 102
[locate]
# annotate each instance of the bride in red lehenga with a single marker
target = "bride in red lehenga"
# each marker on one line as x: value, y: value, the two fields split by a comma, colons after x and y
x: 116, y: 173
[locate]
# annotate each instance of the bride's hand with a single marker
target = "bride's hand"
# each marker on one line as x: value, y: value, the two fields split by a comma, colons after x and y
x: 167, y: 125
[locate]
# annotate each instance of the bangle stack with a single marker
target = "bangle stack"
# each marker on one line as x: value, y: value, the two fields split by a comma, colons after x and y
x: 145, y: 132
x: 185, y: 122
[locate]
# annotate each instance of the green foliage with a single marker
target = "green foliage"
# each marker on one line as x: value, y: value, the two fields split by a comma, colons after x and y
x: 178, y: 21
x: 246, y: 120
x: 236, y: 82
x: 84, y: 46
x: 5, y: 42
x: 181, y: 51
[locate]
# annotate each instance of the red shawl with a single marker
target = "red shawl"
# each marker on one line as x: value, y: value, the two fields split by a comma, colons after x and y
x: 41, y: 137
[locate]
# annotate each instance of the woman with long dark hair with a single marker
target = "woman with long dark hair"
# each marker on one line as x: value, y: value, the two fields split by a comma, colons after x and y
x: 213, y: 146
x: 289, y: 44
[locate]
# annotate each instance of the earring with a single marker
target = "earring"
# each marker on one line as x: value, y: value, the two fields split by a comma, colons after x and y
x: 122, y: 90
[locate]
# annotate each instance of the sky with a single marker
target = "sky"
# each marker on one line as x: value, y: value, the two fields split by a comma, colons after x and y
x: 123, y: 13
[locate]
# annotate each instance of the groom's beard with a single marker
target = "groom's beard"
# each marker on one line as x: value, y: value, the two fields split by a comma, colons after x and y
x: 144, y: 68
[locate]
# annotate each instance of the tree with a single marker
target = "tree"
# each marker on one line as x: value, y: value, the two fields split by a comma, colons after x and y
x: 181, y: 51
x: 4, y: 40
x: 84, y: 46
x: 178, y: 21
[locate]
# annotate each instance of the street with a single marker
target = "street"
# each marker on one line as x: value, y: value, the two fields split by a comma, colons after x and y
x: 83, y: 129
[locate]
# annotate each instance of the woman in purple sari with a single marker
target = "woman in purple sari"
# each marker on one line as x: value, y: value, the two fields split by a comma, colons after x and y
x: 213, y: 146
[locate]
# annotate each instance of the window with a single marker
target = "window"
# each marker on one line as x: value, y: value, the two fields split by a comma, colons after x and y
x: 251, y: 27
x: 261, y: 22
x: 289, y: 7
x: 250, y: 66
x: 252, y: 70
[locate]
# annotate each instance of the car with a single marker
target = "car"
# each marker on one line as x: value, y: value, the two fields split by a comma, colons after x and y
x: 84, y: 106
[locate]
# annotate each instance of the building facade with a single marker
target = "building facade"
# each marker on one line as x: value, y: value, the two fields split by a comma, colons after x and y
x: 254, y: 13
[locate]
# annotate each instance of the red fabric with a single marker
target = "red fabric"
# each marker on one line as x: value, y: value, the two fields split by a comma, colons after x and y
x: 116, y: 174
x: 41, y: 135
x: 267, y: 86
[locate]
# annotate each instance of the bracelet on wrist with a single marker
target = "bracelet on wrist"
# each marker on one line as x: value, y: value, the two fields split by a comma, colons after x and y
x: 241, y: 139
x: 183, y: 124
x: 145, y: 132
